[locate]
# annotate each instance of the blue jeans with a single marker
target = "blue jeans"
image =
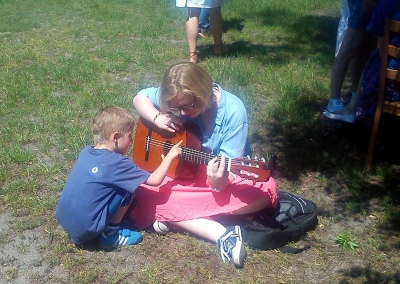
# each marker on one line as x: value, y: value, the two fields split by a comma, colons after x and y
x: 204, y: 20
x: 120, y: 199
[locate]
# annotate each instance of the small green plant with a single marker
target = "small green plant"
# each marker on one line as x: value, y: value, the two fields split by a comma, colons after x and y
x: 346, y: 241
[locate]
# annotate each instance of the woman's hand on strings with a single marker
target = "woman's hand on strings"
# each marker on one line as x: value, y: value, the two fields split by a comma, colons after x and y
x: 216, y: 174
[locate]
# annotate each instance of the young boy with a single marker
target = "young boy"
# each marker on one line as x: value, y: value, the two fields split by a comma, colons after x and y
x: 102, y: 183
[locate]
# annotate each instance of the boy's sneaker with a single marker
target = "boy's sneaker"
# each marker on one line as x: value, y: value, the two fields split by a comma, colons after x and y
x: 335, y: 104
x: 121, y: 237
x: 232, y: 247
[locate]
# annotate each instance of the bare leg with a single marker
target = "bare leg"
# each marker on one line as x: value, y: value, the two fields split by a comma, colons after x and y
x: 352, y: 45
x: 216, y: 25
x: 212, y: 230
x: 357, y: 65
x: 192, y: 29
x: 350, y: 108
x: 204, y: 227
x: 117, y: 218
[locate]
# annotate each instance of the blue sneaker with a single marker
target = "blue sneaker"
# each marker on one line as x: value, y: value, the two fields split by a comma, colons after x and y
x: 122, y: 237
x: 350, y: 118
x: 232, y: 247
x: 335, y: 104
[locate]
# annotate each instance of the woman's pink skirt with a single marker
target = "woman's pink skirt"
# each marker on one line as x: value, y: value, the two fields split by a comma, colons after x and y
x: 178, y: 200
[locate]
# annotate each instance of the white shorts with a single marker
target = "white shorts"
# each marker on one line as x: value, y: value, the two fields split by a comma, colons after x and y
x: 199, y: 3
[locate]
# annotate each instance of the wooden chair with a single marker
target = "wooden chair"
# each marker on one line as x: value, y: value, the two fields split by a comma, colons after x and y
x: 384, y: 106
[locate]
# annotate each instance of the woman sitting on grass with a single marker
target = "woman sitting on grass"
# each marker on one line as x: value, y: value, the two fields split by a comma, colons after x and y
x: 187, y: 89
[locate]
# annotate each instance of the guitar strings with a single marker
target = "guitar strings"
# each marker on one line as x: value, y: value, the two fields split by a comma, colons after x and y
x: 191, y: 154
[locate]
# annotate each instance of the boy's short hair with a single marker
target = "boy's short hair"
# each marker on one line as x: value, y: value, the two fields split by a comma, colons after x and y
x: 111, y: 119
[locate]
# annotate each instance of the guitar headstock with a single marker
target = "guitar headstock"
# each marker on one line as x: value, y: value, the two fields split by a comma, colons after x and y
x: 253, y: 169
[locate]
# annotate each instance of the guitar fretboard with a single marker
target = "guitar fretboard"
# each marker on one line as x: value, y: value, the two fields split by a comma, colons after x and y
x: 188, y: 154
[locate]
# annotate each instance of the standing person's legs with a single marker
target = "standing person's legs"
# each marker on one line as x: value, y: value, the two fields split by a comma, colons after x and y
x: 204, y: 21
x: 354, y: 39
x: 192, y: 28
x: 352, y: 45
x: 358, y: 63
x: 216, y: 27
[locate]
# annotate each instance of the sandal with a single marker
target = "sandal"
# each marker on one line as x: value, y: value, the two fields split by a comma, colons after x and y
x: 201, y: 35
x: 193, y: 56
x: 220, y: 49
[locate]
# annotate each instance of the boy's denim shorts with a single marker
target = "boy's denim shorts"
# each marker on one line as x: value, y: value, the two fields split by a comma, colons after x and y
x: 120, y: 199
x: 358, y: 19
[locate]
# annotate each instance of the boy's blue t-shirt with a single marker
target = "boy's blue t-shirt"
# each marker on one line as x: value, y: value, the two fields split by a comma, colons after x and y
x: 83, y: 208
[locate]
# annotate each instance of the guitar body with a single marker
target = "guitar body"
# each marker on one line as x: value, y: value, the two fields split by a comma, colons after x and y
x: 151, y: 145
x: 148, y: 156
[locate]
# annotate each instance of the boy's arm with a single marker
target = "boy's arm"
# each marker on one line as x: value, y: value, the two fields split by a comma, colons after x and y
x: 159, y: 174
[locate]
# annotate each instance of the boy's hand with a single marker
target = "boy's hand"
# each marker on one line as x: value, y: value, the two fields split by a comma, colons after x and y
x: 175, y: 151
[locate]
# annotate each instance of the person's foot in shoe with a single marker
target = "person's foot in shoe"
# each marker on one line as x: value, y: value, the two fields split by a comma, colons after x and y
x: 231, y: 246
x: 350, y: 118
x: 203, y: 33
x: 335, y: 105
x: 122, y: 237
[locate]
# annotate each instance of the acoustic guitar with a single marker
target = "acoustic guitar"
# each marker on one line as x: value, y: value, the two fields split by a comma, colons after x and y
x: 151, y: 145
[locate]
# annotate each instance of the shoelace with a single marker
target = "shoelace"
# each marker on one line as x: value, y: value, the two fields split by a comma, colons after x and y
x: 227, y: 245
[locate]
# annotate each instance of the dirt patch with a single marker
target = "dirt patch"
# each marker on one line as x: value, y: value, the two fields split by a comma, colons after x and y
x: 23, y: 254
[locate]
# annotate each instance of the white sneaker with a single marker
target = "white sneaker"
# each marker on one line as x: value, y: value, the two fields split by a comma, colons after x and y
x: 160, y: 227
x: 231, y: 246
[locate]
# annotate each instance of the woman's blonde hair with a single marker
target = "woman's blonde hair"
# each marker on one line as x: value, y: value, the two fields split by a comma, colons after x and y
x: 188, y: 79
x: 111, y: 119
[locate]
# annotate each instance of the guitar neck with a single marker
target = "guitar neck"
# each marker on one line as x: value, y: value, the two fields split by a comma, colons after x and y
x: 200, y: 157
x: 153, y: 148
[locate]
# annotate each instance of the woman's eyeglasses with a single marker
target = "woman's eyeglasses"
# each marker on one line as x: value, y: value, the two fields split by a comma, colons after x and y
x: 184, y: 107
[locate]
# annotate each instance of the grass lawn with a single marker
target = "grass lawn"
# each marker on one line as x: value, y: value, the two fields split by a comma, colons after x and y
x: 60, y: 61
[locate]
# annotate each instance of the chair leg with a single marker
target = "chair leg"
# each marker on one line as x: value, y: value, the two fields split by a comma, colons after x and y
x: 372, y: 139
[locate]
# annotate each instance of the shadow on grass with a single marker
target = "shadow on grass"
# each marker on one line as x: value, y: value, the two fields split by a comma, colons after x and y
x: 303, y: 37
x: 336, y: 150
x: 370, y: 275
